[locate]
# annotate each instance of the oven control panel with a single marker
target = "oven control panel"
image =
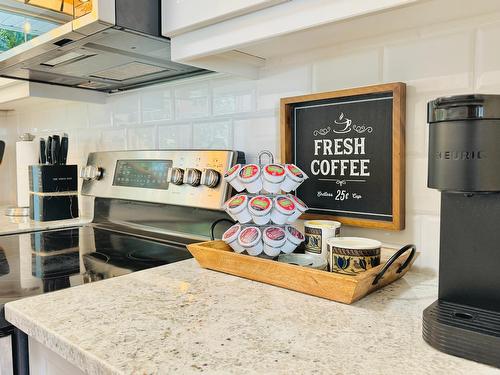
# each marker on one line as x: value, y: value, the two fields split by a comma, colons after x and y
x: 182, y: 177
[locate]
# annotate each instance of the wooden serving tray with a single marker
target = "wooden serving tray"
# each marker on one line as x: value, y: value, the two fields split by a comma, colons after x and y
x: 218, y: 256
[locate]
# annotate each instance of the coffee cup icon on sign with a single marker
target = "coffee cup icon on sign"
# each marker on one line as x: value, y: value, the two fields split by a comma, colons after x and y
x: 342, y: 125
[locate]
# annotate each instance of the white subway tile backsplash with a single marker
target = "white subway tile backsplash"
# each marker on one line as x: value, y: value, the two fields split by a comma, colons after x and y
x: 231, y: 96
x: 192, y: 101
x: 25, y: 120
x: 412, y: 233
x: 213, y: 135
x: 429, y: 248
x: 112, y: 140
x: 77, y: 116
x: 175, y: 136
x: 86, y: 142
x: 278, y: 83
x: 256, y: 134
x: 416, y: 124
x: 51, y: 119
x: 442, y: 62
x: 355, y: 69
x: 157, y: 105
x: 420, y: 198
x: 488, y: 57
x: 141, y: 138
x: 125, y: 109
x: 99, y: 115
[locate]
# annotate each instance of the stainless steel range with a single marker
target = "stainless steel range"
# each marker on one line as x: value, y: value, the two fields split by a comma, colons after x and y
x: 147, y: 206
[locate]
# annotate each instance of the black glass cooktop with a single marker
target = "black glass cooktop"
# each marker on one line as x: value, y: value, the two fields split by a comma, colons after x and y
x: 41, y: 262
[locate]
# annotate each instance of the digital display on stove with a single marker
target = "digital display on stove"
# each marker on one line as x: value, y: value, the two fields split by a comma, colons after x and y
x: 149, y: 174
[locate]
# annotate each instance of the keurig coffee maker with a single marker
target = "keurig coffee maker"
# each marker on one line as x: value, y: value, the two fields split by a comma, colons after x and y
x: 464, y: 164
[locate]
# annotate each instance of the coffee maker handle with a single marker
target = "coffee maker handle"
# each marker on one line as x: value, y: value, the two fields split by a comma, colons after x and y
x: 392, y: 259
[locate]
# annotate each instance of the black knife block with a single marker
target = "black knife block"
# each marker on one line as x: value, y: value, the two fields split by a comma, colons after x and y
x: 53, y: 192
x: 47, y: 178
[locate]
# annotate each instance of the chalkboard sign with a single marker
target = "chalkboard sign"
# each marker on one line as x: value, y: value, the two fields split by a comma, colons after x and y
x: 351, y: 145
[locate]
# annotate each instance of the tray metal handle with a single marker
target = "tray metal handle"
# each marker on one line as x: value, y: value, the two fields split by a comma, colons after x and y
x: 392, y: 259
x: 269, y: 155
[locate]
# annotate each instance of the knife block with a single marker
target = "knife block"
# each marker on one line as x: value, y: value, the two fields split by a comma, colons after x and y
x: 53, y: 192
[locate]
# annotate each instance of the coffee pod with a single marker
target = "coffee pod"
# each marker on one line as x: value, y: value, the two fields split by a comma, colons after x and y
x: 317, y: 233
x: 274, y: 239
x: 237, y: 207
x: 230, y: 237
x: 272, y: 176
x: 250, y: 177
x: 352, y: 255
x: 283, y: 208
x: 293, y: 239
x: 294, y: 176
x: 300, y: 208
x: 250, y: 239
x: 260, y: 209
x: 231, y: 177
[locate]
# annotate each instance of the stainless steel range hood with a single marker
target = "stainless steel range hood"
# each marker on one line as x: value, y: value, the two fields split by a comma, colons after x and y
x: 110, y: 45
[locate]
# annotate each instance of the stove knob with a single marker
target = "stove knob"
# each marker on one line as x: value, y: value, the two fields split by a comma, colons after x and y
x: 192, y: 176
x: 177, y: 176
x: 210, y: 178
x: 91, y: 172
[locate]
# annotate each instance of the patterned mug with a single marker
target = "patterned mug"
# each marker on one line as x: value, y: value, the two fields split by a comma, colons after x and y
x: 352, y: 255
x: 317, y: 233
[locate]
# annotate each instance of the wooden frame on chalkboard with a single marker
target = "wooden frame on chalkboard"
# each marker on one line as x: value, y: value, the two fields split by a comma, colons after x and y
x: 394, y: 221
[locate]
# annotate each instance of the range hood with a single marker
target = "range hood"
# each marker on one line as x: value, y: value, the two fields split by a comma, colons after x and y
x: 110, y: 45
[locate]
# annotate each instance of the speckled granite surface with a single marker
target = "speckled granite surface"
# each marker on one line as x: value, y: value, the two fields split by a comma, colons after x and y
x: 184, y: 319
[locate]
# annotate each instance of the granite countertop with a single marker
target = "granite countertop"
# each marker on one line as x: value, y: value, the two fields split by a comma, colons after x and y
x: 182, y: 318
x: 22, y: 224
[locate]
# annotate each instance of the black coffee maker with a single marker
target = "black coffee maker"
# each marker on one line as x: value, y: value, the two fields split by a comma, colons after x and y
x: 464, y: 164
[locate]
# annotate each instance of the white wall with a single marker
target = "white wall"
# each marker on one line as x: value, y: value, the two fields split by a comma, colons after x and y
x: 223, y: 112
x: 8, y: 133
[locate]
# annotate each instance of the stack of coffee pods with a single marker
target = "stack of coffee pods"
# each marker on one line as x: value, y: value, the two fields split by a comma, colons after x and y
x: 265, y: 211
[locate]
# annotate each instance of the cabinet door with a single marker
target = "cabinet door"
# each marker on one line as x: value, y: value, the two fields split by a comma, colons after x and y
x: 44, y: 361
x: 6, y: 356
x: 179, y: 16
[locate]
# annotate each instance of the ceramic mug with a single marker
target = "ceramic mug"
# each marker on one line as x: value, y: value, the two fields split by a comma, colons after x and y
x: 352, y: 255
x: 317, y: 232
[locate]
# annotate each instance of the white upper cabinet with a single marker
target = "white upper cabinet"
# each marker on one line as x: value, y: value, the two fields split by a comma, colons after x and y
x: 213, y: 34
x: 179, y: 16
x: 221, y: 38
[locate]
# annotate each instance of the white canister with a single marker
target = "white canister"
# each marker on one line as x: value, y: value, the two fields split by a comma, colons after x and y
x: 293, y: 239
x: 27, y: 152
x: 294, y: 176
x: 250, y: 239
x: 250, y: 177
x: 273, y: 176
x: 231, y: 176
x: 300, y: 208
x: 237, y: 207
x: 283, y: 208
x: 317, y: 232
x: 230, y: 237
x: 274, y: 239
x: 260, y: 209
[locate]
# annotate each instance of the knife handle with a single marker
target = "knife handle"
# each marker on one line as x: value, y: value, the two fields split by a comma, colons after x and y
x: 63, y: 156
x: 56, y: 148
x: 43, y: 155
x: 48, y: 148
